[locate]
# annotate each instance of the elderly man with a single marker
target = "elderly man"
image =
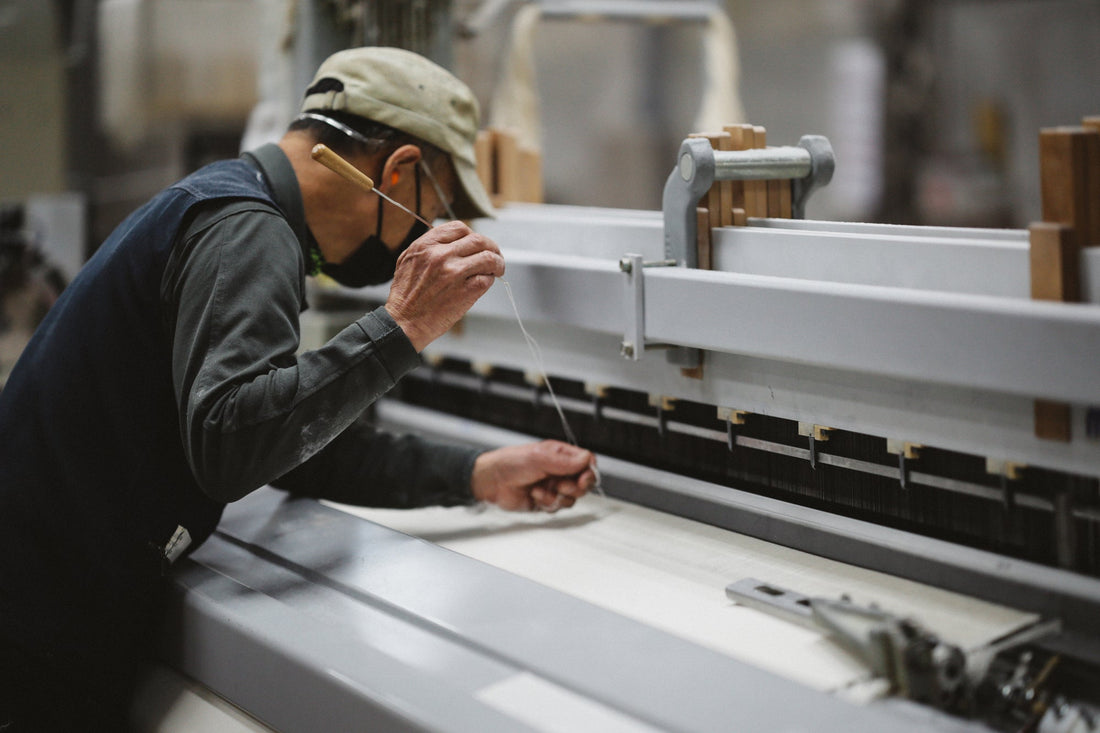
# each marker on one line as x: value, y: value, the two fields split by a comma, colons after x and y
x: 167, y: 381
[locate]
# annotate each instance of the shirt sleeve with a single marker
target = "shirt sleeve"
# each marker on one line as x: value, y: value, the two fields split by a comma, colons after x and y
x: 369, y: 467
x: 252, y: 409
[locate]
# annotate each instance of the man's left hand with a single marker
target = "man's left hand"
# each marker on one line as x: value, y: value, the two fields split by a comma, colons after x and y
x: 544, y: 476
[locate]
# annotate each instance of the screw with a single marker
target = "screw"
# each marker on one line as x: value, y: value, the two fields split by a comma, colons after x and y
x: 628, y: 349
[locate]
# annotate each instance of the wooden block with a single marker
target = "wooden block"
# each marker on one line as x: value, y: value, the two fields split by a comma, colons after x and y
x: 483, y: 156
x: 703, y: 239
x: 761, y: 186
x: 773, y: 197
x: 725, y: 188
x: 1055, y: 256
x: 712, y: 200
x: 786, y: 207
x: 703, y: 250
x: 530, y: 182
x: 1055, y: 262
x: 737, y: 188
x: 1052, y: 420
x: 692, y: 372
x: 1091, y: 235
x: 739, y: 218
x: 1063, y: 164
x: 748, y: 142
x: 507, y: 165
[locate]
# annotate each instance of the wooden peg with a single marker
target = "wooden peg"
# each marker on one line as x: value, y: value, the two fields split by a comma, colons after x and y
x: 737, y: 188
x: 725, y: 188
x: 1063, y: 170
x: 704, y: 238
x: 703, y: 249
x: 712, y: 200
x: 773, y: 187
x: 761, y: 187
x: 530, y: 183
x: 1069, y: 158
x: 1091, y: 235
x: 748, y: 142
x: 786, y: 207
x: 1055, y: 257
x: 483, y: 157
x: 507, y: 165
x: 1053, y: 421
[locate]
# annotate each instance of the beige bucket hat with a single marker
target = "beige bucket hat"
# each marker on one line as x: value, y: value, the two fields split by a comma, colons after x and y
x: 408, y: 92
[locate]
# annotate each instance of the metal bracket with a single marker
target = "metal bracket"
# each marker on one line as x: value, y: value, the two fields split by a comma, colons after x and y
x: 634, y: 343
x: 633, y: 307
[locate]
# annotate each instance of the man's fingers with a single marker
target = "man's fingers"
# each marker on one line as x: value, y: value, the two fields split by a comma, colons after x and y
x: 550, y: 501
x: 578, y: 488
x: 448, y: 232
x: 482, y: 263
x: 562, y: 459
x: 472, y: 244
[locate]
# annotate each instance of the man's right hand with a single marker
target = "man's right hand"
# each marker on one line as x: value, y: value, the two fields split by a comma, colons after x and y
x: 439, y: 277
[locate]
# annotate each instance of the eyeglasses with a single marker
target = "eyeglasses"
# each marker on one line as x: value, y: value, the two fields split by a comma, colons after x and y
x: 360, y: 137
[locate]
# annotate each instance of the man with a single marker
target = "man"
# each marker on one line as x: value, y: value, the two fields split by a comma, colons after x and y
x: 166, y: 380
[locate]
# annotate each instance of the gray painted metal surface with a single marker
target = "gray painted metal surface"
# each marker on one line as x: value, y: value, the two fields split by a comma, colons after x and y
x: 997, y: 344
x: 1000, y: 344
x: 1050, y: 592
x: 968, y: 388
x: 311, y: 619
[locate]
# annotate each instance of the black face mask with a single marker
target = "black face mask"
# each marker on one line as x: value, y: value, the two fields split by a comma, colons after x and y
x: 374, y: 263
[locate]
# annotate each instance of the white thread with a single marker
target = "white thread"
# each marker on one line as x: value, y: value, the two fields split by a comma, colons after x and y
x: 536, y: 353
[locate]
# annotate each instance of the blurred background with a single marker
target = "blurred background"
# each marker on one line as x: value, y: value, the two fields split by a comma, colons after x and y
x: 933, y: 107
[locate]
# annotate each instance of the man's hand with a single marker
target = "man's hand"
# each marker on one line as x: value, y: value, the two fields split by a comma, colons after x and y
x: 546, y: 476
x: 439, y: 277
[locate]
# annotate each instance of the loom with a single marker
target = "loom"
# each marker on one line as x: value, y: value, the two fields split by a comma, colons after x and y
x: 852, y: 476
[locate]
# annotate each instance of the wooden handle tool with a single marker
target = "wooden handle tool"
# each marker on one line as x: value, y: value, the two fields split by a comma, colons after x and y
x: 326, y: 157
x: 332, y: 160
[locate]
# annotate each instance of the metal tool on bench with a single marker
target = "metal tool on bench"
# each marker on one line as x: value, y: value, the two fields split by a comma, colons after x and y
x: 915, y: 662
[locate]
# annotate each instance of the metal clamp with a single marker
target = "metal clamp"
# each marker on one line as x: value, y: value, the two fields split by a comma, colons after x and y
x: 810, y: 165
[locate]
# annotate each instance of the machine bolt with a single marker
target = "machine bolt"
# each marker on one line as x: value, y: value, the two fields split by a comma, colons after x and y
x: 626, y: 265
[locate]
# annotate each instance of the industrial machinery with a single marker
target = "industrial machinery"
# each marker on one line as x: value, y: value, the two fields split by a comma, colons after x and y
x: 851, y: 475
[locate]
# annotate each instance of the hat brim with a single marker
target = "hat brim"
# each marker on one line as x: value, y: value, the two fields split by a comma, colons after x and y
x: 473, y: 200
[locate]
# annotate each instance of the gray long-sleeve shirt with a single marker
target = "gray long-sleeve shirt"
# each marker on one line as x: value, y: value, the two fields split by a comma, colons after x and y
x: 253, y: 410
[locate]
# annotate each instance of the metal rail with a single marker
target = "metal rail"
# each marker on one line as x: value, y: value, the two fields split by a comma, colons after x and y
x: 914, y: 478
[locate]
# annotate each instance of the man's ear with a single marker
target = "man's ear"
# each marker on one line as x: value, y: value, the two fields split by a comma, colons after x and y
x: 399, y: 165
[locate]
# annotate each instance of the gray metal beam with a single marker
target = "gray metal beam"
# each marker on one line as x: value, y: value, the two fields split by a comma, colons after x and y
x: 1029, y: 348
x: 1021, y: 347
x: 312, y: 619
